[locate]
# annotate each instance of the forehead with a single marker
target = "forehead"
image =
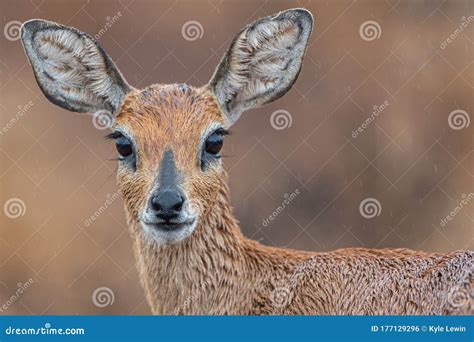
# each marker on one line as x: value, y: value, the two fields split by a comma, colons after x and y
x: 171, y: 112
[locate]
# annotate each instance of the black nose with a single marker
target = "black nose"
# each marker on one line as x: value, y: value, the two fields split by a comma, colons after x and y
x: 167, y: 204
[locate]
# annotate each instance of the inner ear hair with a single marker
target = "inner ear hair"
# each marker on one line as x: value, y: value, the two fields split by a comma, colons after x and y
x: 71, y: 68
x: 262, y: 62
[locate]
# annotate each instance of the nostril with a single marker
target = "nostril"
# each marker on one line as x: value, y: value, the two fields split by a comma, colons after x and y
x: 179, y: 205
x: 155, y: 203
x: 167, y: 203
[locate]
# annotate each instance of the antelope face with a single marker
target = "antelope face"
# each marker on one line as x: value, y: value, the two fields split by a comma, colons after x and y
x: 169, y: 137
x: 169, y: 140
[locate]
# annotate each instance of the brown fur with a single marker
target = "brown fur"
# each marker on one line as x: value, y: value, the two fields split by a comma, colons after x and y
x: 218, y: 271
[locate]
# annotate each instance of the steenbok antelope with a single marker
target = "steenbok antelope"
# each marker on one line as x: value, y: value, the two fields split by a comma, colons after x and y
x: 191, y: 255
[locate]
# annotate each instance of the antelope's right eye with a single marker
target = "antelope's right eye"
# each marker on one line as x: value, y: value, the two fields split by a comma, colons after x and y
x: 124, y: 147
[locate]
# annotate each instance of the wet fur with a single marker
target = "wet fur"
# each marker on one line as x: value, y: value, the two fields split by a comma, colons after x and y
x: 219, y: 271
x: 216, y: 270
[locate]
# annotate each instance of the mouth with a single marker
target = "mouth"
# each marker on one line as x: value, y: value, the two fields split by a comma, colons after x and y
x: 168, y: 226
x: 171, y: 231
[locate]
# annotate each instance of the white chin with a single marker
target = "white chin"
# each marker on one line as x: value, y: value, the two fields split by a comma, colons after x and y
x: 167, y: 237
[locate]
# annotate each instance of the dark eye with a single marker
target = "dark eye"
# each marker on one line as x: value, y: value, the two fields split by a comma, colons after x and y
x: 214, y: 143
x: 124, y: 147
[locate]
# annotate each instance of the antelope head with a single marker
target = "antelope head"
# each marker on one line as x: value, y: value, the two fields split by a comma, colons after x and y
x: 169, y: 137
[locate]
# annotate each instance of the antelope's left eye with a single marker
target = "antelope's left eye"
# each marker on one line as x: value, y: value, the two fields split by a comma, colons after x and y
x: 214, y: 143
x: 124, y: 147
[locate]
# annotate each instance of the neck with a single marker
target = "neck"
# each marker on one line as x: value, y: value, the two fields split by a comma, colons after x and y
x: 215, y: 271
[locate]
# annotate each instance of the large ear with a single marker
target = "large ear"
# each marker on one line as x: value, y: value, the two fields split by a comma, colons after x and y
x: 263, y: 62
x: 71, y: 69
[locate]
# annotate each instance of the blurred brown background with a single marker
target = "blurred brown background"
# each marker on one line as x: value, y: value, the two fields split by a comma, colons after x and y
x: 413, y: 158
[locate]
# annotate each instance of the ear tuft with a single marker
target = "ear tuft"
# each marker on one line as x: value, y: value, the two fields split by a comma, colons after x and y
x: 263, y: 62
x: 71, y: 69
